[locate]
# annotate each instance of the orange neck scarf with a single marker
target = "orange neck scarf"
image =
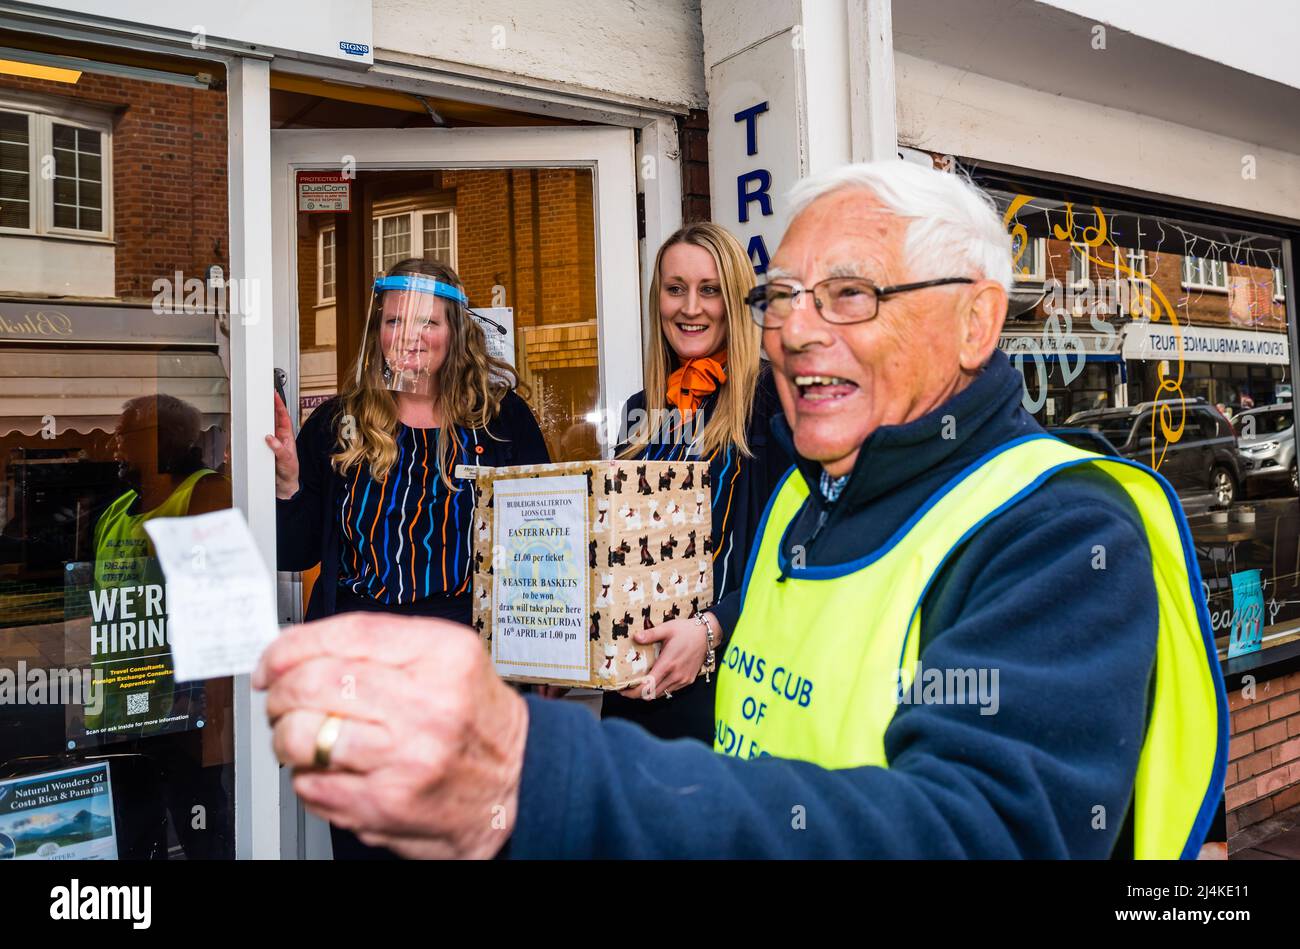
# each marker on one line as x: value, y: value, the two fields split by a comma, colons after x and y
x: 691, y: 383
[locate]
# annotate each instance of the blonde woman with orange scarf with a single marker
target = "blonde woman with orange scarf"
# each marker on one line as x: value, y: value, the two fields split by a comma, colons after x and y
x: 704, y: 362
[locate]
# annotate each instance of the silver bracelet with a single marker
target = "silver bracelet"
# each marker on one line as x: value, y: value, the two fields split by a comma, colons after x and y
x: 710, y: 656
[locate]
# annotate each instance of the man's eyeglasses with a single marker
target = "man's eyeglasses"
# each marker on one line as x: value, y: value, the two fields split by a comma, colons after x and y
x: 838, y: 299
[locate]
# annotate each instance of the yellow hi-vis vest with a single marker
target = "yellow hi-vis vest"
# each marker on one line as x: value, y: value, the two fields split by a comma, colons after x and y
x: 818, y: 663
x: 123, y: 552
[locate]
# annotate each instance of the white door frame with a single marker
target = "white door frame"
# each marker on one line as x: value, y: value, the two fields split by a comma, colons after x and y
x: 267, y: 813
x: 608, y: 152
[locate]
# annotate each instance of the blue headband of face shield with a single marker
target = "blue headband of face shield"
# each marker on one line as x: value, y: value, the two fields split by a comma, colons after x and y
x: 421, y: 284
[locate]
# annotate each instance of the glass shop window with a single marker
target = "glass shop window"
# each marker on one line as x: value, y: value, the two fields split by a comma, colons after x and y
x: 1189, y: 376
x: 114, y: 410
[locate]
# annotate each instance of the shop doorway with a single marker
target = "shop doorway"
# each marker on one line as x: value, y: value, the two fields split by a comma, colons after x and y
x: 539, y: 222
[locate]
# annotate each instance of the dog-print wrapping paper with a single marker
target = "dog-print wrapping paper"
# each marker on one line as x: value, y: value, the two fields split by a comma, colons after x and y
x: 648, y: 558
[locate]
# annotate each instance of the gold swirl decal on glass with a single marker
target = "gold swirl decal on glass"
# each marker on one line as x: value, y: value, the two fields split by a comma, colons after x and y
x: 1151, y: 305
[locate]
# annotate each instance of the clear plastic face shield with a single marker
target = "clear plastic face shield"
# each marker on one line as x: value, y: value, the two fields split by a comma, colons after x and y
x: 413, y: 311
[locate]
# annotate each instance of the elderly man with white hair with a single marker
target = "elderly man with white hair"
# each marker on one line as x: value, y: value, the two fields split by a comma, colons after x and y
x: 959, y: 636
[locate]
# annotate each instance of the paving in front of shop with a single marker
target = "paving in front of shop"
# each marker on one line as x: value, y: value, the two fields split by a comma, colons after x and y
x: 1277, y: 838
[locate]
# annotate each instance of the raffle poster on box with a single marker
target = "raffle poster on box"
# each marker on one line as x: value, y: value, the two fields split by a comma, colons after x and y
x: 541, y: 578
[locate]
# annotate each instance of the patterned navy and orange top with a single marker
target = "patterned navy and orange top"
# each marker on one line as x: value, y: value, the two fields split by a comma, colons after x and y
x: 739, y: 486
x: 400, y: 542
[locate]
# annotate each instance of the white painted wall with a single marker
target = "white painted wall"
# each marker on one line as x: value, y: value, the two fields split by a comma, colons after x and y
x: 52, y: 267
x: 640, y: 49
x: 734, y: 25
x: 1256, y: 36
x: 326, y: 325
x: 317, y: 373
x: 956, y: 112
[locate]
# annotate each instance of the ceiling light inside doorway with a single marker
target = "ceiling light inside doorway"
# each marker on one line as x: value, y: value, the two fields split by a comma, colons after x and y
x: 74, y: 66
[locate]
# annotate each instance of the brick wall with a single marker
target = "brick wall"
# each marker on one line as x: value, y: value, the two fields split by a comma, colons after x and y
x: 1263, y: 752
x: 693, y: 133
x: 1248, y: 304
x: 551, y: 277
x: 482, y: 239
x: 169, y: 175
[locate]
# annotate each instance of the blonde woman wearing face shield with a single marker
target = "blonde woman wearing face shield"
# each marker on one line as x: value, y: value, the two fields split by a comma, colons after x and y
x: 368, y: 489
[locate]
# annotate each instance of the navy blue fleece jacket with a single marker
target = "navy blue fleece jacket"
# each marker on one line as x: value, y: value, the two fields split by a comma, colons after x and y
x: 1049, y: 775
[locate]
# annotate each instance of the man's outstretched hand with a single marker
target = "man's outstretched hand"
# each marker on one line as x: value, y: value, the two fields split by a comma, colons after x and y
x: 428, y: 759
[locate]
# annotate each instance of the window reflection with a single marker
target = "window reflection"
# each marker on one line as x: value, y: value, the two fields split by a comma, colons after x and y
x: 1164, y: 342
x: 114, y: 409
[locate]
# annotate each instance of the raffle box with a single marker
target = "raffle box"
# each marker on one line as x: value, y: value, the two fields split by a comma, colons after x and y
x: 570, y: 559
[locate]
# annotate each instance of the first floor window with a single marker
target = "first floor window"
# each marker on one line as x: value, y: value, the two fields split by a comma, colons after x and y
x: 54, y: 178
x: 1134, y: 260
x: 1205, y: 273
x: 391, y: 238
x: 424, y: 232
x: 78, y: 178
x: 1028, y: 266
x: 1078, y: 264
x: 438, y: 237
x: 15, y: 171
x: 325, y: 283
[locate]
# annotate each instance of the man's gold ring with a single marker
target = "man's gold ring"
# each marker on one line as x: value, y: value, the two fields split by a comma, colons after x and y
x: 326, y: 739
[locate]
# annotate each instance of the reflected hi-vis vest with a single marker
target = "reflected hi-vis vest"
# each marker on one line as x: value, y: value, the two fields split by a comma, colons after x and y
x: 800, y: 679
x: 123, y: 551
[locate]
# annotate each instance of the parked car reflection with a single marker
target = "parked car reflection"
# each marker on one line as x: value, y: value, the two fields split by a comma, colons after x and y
x: 1203, y: 461
x: 1266, y: 449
